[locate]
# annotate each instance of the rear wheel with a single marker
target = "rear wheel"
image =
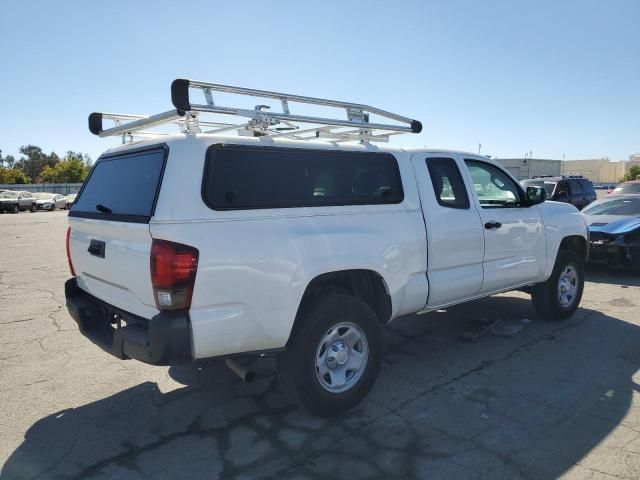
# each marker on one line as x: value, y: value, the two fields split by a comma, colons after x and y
x: 334, y: 355
x: 559, y: 297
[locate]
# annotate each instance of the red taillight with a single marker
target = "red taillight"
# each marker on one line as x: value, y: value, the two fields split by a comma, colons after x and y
x: 73, y: 272
x: 173, y: 274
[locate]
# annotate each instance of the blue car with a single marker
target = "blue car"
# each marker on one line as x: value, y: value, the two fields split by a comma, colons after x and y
x: 614, y: 230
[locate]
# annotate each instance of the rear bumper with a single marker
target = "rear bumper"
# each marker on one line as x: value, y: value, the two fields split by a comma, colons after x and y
x: 165, y: 339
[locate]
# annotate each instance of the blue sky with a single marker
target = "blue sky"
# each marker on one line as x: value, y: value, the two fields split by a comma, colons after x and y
x: 555, y: 77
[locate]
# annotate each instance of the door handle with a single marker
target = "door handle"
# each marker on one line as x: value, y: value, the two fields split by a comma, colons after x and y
x: 491, y: 225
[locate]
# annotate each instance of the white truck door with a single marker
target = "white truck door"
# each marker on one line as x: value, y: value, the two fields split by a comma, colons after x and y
x: 455, y: 240
x: 514, y: 238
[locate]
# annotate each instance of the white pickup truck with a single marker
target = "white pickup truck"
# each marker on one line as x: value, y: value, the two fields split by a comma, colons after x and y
x: 197, y: 245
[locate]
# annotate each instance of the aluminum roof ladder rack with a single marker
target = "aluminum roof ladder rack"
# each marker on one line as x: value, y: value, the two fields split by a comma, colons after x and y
x: 212, y: 117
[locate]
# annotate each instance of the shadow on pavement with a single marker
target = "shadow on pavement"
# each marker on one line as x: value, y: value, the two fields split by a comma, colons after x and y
x: 529, y: 406
x: 602, y: 274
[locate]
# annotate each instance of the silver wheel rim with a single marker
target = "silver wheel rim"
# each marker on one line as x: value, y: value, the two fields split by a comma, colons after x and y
x: 341, y: 357
x: 568, y: 286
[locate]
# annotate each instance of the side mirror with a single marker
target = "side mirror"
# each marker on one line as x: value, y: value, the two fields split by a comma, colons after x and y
x: 536, y: 195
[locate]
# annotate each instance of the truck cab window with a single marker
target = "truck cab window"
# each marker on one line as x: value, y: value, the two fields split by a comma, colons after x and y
x: 494, y: 188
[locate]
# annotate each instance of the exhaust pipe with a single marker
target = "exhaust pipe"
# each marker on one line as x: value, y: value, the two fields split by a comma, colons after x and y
x: 245, y: 374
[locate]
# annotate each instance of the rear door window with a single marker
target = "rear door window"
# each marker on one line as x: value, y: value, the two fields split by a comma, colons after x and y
x: 122, y: 187
x: 587, y: 187
x: 562, y: 189
x: 447, y: 183
x: 574, y: 187
x: 245, y: 177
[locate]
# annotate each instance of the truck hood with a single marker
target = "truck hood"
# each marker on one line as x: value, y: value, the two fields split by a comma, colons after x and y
x: 558, y: 207
x: 613, y: 224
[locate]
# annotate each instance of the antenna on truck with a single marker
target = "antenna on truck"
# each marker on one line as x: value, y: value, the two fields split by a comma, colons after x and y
x: 204, y: 117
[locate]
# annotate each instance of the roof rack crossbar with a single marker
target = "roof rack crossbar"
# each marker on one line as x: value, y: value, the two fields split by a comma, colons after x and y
x: 180, y: 99
x: 259, y: 121
x: 141, y: 122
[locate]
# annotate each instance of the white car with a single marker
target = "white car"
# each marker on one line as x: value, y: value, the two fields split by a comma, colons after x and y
x: 50, y: 201
x: 195, y: 245
x: 70, y: 199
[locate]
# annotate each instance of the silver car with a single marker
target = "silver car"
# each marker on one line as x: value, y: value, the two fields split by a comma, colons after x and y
x: 50, y: 201
x: 70, y: 199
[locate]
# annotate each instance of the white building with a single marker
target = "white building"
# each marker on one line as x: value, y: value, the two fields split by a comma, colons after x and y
x: 522, y: 168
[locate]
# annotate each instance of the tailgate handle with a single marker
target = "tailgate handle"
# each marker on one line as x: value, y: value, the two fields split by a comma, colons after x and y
x: 96, y: 247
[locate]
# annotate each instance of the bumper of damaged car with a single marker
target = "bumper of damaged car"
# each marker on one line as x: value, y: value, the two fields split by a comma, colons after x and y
x: 614, y: 254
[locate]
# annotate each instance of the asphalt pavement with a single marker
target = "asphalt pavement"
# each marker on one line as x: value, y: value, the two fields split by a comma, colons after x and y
x: 529, y: 399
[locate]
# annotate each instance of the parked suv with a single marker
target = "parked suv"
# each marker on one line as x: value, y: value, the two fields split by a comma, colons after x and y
x: 577, y: 191
x: 199, y: 245
x: 15, y: 202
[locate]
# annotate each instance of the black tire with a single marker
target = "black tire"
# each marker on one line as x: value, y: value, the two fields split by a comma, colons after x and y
x: 15, y: 208
x: 33, y: 208
x: 545, y: 296
x: 53, y: 207
x: 297, y: 365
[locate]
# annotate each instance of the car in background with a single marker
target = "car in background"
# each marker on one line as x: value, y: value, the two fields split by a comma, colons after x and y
x: 50, y: 201
x: 15, y: 202
x: 604, y: 186
x: 614, y: 230
x: 70, y: 199
x: 626, y: 188
x: 578, y: 191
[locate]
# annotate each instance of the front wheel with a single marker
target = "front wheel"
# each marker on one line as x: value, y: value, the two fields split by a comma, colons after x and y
x: 33, y: 208
x: 15, y: 208
x: 559, y: 297
x: 334, y: 355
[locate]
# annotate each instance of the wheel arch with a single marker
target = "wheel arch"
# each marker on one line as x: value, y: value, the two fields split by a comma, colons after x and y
x: 367, y: 285
x: 576, y: 243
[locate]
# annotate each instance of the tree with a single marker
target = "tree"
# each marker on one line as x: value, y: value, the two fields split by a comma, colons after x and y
x: 35, y: 160
x: 70, y: 170
x: 13, y: 175
x: 37, y: 165
x: 83, y: 157
x: 632, y: 174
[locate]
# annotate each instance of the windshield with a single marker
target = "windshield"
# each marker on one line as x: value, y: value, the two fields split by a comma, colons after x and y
x: 43, y: 196
x: 611, y: 206
x: 9, y: 195
x: 627, y: 188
